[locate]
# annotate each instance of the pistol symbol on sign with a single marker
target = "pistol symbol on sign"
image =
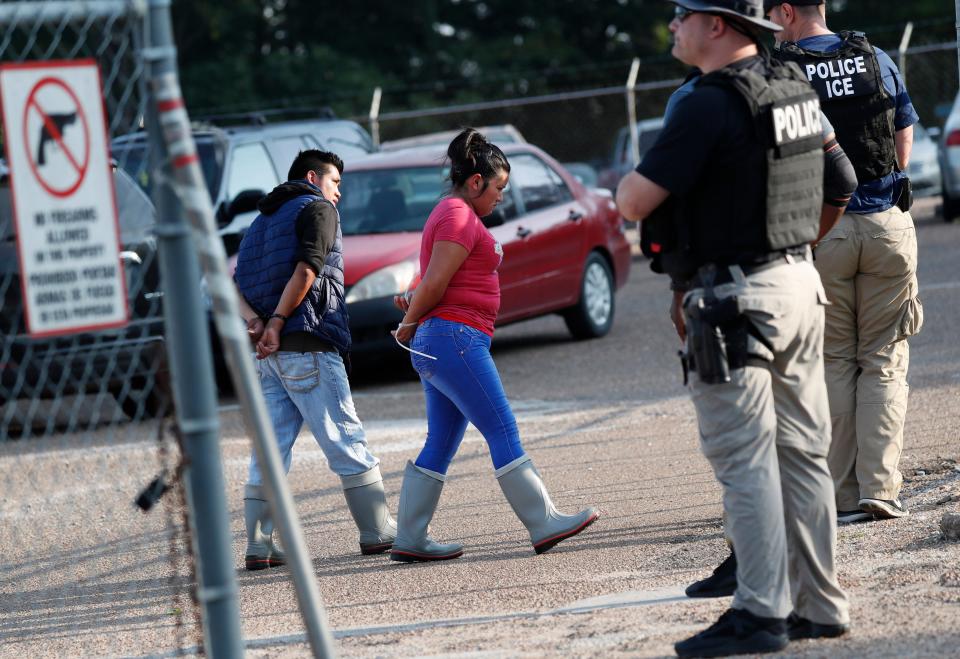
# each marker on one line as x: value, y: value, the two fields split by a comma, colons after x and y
x: 57, y: 121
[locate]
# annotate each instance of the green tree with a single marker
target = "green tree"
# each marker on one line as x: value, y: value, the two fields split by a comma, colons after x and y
x: 252, y: 54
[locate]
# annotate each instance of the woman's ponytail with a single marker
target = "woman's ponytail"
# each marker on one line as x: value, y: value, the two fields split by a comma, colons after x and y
x: 470, y: 153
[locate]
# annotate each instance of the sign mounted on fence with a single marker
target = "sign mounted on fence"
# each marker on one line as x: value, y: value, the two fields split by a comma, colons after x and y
x: 64, y: 205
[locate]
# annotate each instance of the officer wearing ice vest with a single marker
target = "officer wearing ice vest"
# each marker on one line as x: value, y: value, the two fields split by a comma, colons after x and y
x: 741, y: 156
x: 868, y: 262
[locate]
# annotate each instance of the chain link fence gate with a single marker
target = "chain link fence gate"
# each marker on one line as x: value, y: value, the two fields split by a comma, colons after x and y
x: 86, y: 418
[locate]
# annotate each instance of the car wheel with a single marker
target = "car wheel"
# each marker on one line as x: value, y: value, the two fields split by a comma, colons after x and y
x: 592, y: 316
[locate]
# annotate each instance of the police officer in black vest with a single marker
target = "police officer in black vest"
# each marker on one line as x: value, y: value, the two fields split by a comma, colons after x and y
x: 741, y: 157
x: 868, y: 261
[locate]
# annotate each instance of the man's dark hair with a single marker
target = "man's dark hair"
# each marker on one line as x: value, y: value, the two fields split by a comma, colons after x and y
x: 313, y: 160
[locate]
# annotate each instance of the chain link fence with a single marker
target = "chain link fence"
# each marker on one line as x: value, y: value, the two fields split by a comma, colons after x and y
x: 589, y: 126
x: 86, y: 418
x: 930, y: 72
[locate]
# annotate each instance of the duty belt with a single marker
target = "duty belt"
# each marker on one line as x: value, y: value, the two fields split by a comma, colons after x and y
x: 723, y: 275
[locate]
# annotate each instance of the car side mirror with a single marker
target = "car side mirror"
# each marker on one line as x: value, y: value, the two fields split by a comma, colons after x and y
x: 934, y: 133
x: 245, y: 202
x: 494, y: 219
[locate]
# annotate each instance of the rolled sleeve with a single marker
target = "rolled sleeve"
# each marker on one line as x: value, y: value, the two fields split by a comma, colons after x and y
x: 316, y: 233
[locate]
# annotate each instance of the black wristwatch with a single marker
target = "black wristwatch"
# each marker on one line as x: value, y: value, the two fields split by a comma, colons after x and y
x: 278, y: 315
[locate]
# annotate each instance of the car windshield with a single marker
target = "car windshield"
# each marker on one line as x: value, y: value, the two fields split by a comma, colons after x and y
x: 131, y: 155
x: 389, y: 200
x: 345, y: 140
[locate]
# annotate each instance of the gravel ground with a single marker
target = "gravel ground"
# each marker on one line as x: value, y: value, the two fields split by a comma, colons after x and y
x: 85, y: 574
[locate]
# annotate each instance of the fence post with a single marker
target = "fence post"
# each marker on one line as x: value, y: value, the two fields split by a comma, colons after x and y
x: 375, y: 116
x: 632, y: 109
x: 192, y: 369
x: 902, y: 52
x: 190, y: 188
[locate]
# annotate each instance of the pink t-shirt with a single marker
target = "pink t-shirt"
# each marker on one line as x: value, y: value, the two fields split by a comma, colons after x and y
x: 473, y: 294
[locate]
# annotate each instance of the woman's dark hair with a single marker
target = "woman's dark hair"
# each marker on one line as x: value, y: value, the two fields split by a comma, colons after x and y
x: 470, y: 153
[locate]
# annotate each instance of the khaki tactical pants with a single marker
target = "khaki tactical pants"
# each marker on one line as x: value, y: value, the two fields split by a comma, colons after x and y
x: 868, y: 264
x: 766, y: 435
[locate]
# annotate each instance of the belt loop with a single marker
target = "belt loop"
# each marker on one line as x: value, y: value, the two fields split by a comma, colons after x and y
x: 737, y: 273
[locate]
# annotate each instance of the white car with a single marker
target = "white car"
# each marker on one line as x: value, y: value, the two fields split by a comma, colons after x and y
x: 950, y: 162
x: 924, y: 169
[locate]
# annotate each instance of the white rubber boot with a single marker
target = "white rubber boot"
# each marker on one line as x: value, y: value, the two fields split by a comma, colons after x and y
x: 261, y: 552
x: 523, y: 488
x: 368, y: 505
x: 418, y: 501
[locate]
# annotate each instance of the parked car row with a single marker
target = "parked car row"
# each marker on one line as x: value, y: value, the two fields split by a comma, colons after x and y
x: 237, y: 159
x: 564, y: 250
x: 549, y: 223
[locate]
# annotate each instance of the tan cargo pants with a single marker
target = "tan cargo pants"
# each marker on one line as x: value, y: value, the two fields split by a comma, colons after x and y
x: 766, y: 435
x: 868, y: 264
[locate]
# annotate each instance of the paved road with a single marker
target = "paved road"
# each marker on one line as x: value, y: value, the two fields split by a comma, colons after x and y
x: 608, y: 424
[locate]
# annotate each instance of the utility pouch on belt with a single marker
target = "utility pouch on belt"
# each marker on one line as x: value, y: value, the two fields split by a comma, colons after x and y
x: 903, y: 194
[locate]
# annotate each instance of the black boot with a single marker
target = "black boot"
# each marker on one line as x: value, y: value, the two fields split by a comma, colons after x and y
x: 798, y: 628
x: 736, y: 632
x: 721, y: 583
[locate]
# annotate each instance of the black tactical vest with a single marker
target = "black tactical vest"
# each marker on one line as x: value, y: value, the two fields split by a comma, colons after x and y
x: 786, y: 114
x: 849, y: 81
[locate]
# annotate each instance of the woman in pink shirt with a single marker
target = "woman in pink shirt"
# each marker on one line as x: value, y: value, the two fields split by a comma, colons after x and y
x: 449, y: 325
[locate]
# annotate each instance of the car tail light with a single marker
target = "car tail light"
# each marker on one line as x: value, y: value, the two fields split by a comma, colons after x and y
x: 953, y: 139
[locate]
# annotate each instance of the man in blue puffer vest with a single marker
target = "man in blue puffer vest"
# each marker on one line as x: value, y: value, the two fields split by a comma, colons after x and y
x: 290, y: 276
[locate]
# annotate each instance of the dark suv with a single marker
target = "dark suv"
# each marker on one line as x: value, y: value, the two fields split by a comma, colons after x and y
x: 240, y: 162
x: 127, y: 362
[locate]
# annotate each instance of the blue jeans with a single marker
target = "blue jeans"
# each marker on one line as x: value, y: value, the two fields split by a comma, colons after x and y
x: 312, y: 387
x: 462, y: 385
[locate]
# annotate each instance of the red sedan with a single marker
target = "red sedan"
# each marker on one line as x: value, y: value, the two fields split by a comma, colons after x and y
x: 564, y: 250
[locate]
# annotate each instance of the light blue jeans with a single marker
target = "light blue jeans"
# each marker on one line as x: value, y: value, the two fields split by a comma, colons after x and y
x: 313, y: 387
x: 461, y: 385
